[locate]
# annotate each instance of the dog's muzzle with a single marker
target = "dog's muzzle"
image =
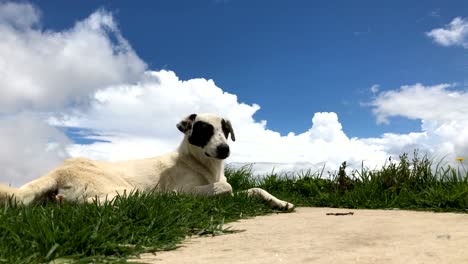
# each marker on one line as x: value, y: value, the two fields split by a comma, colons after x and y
x: 222, y: 151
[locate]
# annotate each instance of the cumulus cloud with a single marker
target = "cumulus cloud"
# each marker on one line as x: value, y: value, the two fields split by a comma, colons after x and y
x: 30, y: 147
x: 453, y: 34
x: 46, y: 70
x: 140, y: 121
x: 442, y: 110
x: 152, y: 107
x: 437, y: 102
x: 19, y: 16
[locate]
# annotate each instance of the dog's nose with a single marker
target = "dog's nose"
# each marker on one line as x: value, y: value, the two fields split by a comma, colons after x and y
x: 222, y: 151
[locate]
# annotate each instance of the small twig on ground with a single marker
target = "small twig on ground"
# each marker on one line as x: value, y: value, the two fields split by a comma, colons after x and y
x: 350, y: 213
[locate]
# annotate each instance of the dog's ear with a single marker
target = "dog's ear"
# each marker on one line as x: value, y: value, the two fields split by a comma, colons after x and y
x: 227, y: 128
x: 186, y: 124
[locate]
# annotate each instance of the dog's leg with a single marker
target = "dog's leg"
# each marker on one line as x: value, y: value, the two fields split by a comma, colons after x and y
x: 218, y: 188
x: 212, y: 189
x: 272, y: 200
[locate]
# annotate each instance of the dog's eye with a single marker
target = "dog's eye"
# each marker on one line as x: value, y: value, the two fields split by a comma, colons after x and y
x: 203, y: 126
x: 201, y: 133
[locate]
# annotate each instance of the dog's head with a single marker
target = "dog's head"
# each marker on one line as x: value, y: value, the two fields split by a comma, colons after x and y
x: 209, y: 133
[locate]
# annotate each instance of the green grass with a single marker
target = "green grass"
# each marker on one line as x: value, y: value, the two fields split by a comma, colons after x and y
x: 134, y: 224
x: 160, y: 221
x: 415, y: 184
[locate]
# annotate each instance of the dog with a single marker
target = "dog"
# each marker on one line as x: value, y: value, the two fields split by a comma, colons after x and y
x: 196, y: 167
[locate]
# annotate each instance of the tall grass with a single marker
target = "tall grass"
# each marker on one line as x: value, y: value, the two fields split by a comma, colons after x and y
x: 143, y: 222
x: 416, y: 184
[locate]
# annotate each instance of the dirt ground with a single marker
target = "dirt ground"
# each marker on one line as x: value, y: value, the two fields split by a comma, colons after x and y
x: 309, y: 235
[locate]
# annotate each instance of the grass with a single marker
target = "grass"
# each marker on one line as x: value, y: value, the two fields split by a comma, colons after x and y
x: 145, y: 222
x: 138, y: 223
x: 415, y: 184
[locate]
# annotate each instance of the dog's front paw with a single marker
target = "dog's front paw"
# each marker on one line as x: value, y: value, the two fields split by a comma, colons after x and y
x: 222, y: 188
x: 284, y: 206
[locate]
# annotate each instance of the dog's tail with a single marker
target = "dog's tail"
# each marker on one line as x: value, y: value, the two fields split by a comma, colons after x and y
x: 7, y: 193
x: 33, y: 191
x: 45, y: 187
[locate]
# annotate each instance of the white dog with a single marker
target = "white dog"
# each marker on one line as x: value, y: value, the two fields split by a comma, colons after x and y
x: 195, y: 167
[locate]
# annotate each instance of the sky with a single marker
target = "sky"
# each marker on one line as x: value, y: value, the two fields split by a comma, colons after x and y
x: 306, y: 84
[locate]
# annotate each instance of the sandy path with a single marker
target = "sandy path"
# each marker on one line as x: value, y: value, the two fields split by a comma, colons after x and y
x: 311, y: 236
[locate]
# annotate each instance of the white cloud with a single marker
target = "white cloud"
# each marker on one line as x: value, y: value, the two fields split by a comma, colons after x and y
x: 29, y: 149
x: 20, y: 16
x: 45, y: 70
x: 152, y: 107
x: 454, y: 34
x: 375, y: 88
x: 123, y: 147
x: 442, y: 110
x: 140, y: 121
x: 144, y: 114
x: 438, y: 103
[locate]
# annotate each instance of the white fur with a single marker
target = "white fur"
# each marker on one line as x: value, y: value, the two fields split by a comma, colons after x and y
x: 189, y: 169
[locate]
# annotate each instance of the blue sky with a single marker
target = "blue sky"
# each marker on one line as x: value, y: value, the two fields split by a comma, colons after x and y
x: 292, y: 58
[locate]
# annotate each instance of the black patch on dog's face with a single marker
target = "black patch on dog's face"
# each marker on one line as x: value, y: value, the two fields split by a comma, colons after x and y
x: 201, y: 134
x: 225, y: 128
